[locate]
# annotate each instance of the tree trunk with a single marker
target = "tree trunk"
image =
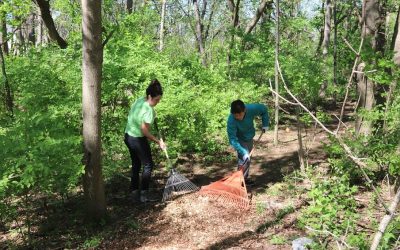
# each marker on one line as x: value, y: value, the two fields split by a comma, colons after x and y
x: 129, y: 6
x: 3, y: 37
x: 321, y: 31
x: 395, y: 47
x: 164, y: 2
x: 92, y: 61
x: 276, y: 127
x: 7, y: 89
x: 234, y: 8
x: 44, y: 6
x: 18, y: 41
x: 325, y: 47
x: 31, y: 34
x: 385, y: 221
x: 335, y: 23
x: 300, y: 140
x: 199, y: 32
x: 39, y: 31
x: 207, y: 30
x: 395, y: 44
x: 365, y: 89
x: 369, y: 91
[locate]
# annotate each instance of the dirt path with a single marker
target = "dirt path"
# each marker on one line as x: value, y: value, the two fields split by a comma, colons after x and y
x: 196, y: 222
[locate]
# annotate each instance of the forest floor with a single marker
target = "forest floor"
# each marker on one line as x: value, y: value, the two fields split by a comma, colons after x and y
x: 197, y: 222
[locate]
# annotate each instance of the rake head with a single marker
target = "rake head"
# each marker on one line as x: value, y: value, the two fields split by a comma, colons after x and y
x: 178, y: 184
x: 230, y: 189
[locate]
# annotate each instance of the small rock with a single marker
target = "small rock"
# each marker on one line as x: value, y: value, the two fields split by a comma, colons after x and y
x: 301, y: 243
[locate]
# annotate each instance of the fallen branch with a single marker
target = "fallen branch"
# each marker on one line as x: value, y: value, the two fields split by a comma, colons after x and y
x: 344, y: 124
x: 276, y: 94
x: 331, y: 234
x: 360, y: 164
x: 385, y: 221
x: 351, y: 47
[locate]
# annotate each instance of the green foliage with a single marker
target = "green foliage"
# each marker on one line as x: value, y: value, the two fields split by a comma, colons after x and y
x: 381, y: 156
x: 332, y: 207
x: 16, y: 10
x: 278, y: 240
x: 41, y: 145
x: 133, y: 224
x: 391, y: 235
x: 92, y: 242
x: 195, y: 104
x: 277, y: 189
x: 358, y: 239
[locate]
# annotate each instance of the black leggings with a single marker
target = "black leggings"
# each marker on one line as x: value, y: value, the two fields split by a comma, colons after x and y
x: 140, y: 152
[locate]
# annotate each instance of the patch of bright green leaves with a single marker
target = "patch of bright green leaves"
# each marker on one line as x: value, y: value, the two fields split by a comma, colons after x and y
x: 332, y: 208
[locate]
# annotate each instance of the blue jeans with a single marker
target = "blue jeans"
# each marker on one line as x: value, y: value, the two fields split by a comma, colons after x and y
x: 140, y: 152
x: 248, y: 145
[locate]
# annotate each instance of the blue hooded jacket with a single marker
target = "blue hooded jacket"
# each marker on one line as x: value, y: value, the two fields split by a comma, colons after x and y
x: 244, y: 130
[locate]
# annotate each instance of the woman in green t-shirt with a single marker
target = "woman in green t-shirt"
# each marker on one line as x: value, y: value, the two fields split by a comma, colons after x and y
x: 137, y: 134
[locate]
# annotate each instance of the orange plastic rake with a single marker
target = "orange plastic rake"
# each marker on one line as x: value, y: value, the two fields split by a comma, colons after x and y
x: 231, y: 188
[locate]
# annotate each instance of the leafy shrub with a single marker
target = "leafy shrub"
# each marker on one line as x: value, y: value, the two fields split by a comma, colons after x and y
x: 332, y: 207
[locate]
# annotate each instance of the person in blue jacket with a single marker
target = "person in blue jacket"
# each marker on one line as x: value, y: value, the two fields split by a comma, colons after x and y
x: 241, y: 130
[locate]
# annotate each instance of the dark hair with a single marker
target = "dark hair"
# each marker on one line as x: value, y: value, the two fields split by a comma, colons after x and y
x: 154, y: 89
x: 237, y: 107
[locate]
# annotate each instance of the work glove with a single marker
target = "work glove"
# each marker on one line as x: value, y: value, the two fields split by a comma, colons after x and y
x: 264, y: 129
x: 246, y: 158
x: 162, y: 145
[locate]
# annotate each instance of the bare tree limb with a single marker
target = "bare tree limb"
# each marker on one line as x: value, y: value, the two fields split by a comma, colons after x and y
x: 274, y: 92
x: 206, y: 32
x: 108, y: 37
x: 250, y: 26
x: 188, y: 16
x: 340, y: 120
x: 359, y: 163
x: 332, y: 234
x: 44, y: 6
x: 351, y: 47
x: 385, y: 221
x: 301, y: 105
x: 199, y: 32
x: 349, y: 83
x: 204, y: 9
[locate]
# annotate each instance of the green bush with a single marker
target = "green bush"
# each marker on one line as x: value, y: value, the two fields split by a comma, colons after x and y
x: 332, y: 208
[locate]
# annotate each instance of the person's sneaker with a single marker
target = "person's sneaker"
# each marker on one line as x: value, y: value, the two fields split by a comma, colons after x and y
x: 249, y: 182
x: 146, y: 196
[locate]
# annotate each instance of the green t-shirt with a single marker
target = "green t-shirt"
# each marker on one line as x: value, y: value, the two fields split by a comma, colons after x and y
x: 141, y: 112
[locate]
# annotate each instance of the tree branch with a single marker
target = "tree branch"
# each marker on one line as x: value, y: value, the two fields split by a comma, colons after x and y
x: 250, y: 26
x: 332, y: 234
x: 206, y: 32
x: 108, y: 37
x: 44, y: 6
x: 349, y: 82
x: 274, y: 92
x: 360, y: 164
x: 385, y: 221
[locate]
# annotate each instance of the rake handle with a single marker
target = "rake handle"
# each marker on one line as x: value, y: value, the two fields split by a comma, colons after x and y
x: 164, y: 150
